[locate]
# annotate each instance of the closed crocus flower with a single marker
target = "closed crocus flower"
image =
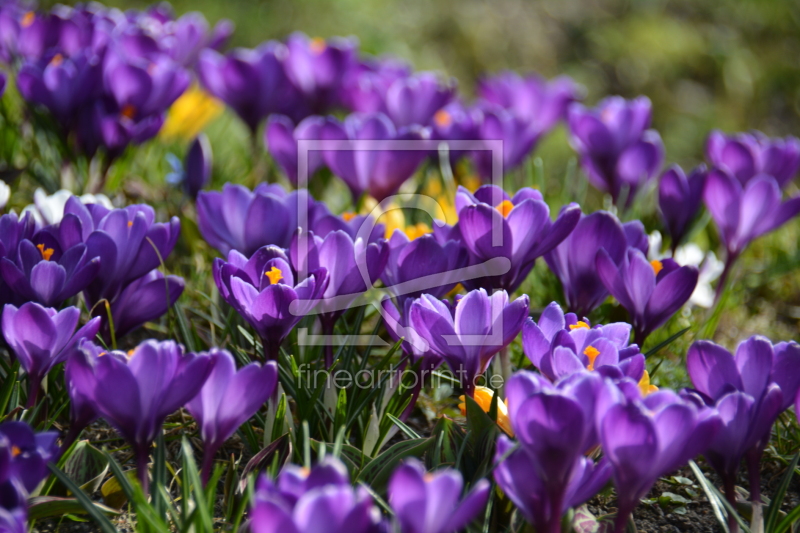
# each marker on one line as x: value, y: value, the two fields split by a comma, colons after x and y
x: 45, y: 274
x: 30, y: 453
x: 750, y: 389
x: 281, y: 136
x: 319, y: 500
x: 679, y: 199
x: 560, y: 345
x: 243, y: 220
x: 264, y: 292
x: 135, y: 392
x: 456, y: 122
x: 747, y: 155
x: 617, y: 151
x: 651, y: 292
x: 527, y: 231
x: 79, y: 378
x: 431, y: 502
x: 42, y: 337
x: 199, y: 160
x: 379, y: 173
x: 365, y: 86
x: 573, y: 261
x: 228, y: 399
x: 555, y: 428
x: 417, y: 98
x: 12, y: 231
x: 469, y: 335
x: 645, y: 439
x: 146, y: 299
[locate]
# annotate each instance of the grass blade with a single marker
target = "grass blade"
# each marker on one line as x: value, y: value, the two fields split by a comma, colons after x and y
x: 94, y: 512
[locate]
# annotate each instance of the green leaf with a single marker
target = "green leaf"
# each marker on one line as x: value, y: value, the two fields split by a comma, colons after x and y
x: 376, y: 473
x: 280, y: 448
x: 410, y: 433
x: 660, y: 346
x: 87, y: 466
x: 719, y: 504
x: 773, y: 511
x: 88, y: 505
x: 46, y: 506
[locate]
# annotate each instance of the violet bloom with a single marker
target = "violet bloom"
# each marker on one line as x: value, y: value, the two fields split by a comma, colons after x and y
x: 679, y: 199
x: 469, y: 335
x: 238, y: 219
x: 12, y: 231
x: 750, y: 389
x: 573, y: 261
x: 431, y: 502
x: 316, y: 68
x: 281, y: 136
x: 190, y: 34
x: 252, y: 82
x: 263, y: 291
x: 748, y: 155
x: 30, y: 453
x: 527, y: 232
x: 554, y: 425
x: 379, y: 173
x: 145, y: 299
x: 228, y: 399
x: 136, y: 392
x: 199, y: 160
x: 651, y: 292
x: 42, y: 337
x: 365, y: 86
x: 647, y: 438
x: 319, y: 500
x: 43, y: 273
x: 416, y: 98
x: 560, y: 345
x: 618, y: 153
x: 78, y: 374
x: 456, y: 122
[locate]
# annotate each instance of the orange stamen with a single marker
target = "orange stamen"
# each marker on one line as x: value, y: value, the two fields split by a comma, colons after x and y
x: 505, y: 208
x: 657, y: 266
x: 274, y: 274
x: 317, y: 45
x: 128, y: 111
x: 28, y: 19
x: 15, y: 451
x: 348, y: 216
x: 579, y: 325
x: 47, y: 253
x: 442, y: 118
x: 591, y: 352
x: 57, y: 60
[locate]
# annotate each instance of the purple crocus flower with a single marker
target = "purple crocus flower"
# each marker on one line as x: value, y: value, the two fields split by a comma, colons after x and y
x: 78, y: 376
x: 316, y: 68
x: 573, y: 261
x: 647, y: 438
x: 145, y: 299
x: 560, y: 345
x: 416, y: 99
x: 30, y: 453
x: 679, y: 199
x: 199, y: 160
x: 238, y: 219
x: 431, y: 502
x: 42, y: 337
x: 252, y: 82
x: 469, y: 335
x: 527, y: 232
x: 135, y: 392
x: 281, y: 138
x: 263, y: 291
x: 456, y: 122
x: 748, y: 155
x: 365, y: 86
x: 228, y: 399
x: 380, y: 173
x: 319, y: 500
x: 12, y: 231
x: 190, y: 35
x: 105, y: 125
x: 650, y: 292
x: 616, y: 149
x: 749, y: 389
x: 555, y: 428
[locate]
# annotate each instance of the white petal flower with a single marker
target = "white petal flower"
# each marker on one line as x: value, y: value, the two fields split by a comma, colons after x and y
x: 709, y: 267
x: 50, y: 209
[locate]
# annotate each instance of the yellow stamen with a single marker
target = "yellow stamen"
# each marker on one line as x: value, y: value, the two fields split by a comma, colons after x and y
x: 317, y: 45
x: 101, y: 354
x: 131, y: 353
x: 28, y: 19
x: 47, y: 253
x: 591, y: 352
x: 644, y: 385
x: 483, y: 397
x: 579, y: 325
x: 657, y: 266
x: 274, y: 274
x: 347, y: 216
x: 128, y: 111
x: 130, y: 223
x: 442, y: 118
x: 57, y: 60
x: 15, y: 451
x: 505, y: 207
x: 417, y: 230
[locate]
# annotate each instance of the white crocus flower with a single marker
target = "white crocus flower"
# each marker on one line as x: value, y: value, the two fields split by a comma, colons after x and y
x: 5, y: 193
x: 50, y: 209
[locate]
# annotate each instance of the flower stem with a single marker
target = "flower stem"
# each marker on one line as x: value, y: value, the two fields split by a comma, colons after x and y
x: 730, y: 495
x: 209, y: 454
x: 142, y: 471
x: 34, y: 387
x: 723, y: 278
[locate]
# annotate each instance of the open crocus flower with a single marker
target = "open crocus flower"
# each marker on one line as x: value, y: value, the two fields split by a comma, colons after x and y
x: 144, y: 300
x: 263, y: 291
x: 525, y: 231
x: 679, y: 199
x: 30, y: 453
x: 43, y: 337
x: 456, y: 122
x: 573, y: 261
x: 281, y: 136
x: 747, y: 155
x: 43, y: 273
x: 554, y: 425
x: 469, y: 335
x: 12, y: 231
x: 645, y: 439
x: 483, y: 397
x: 417, y: 98
x: 560, y: 345
x: 228, y: 399
x: 619, y: 154
x: 319, y: 500
x: 243, y: 220
x: 651, y: 292
x: 426, y: 502
x: 381, y: 172
x: 750, y: 389
x: 135, y: 392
